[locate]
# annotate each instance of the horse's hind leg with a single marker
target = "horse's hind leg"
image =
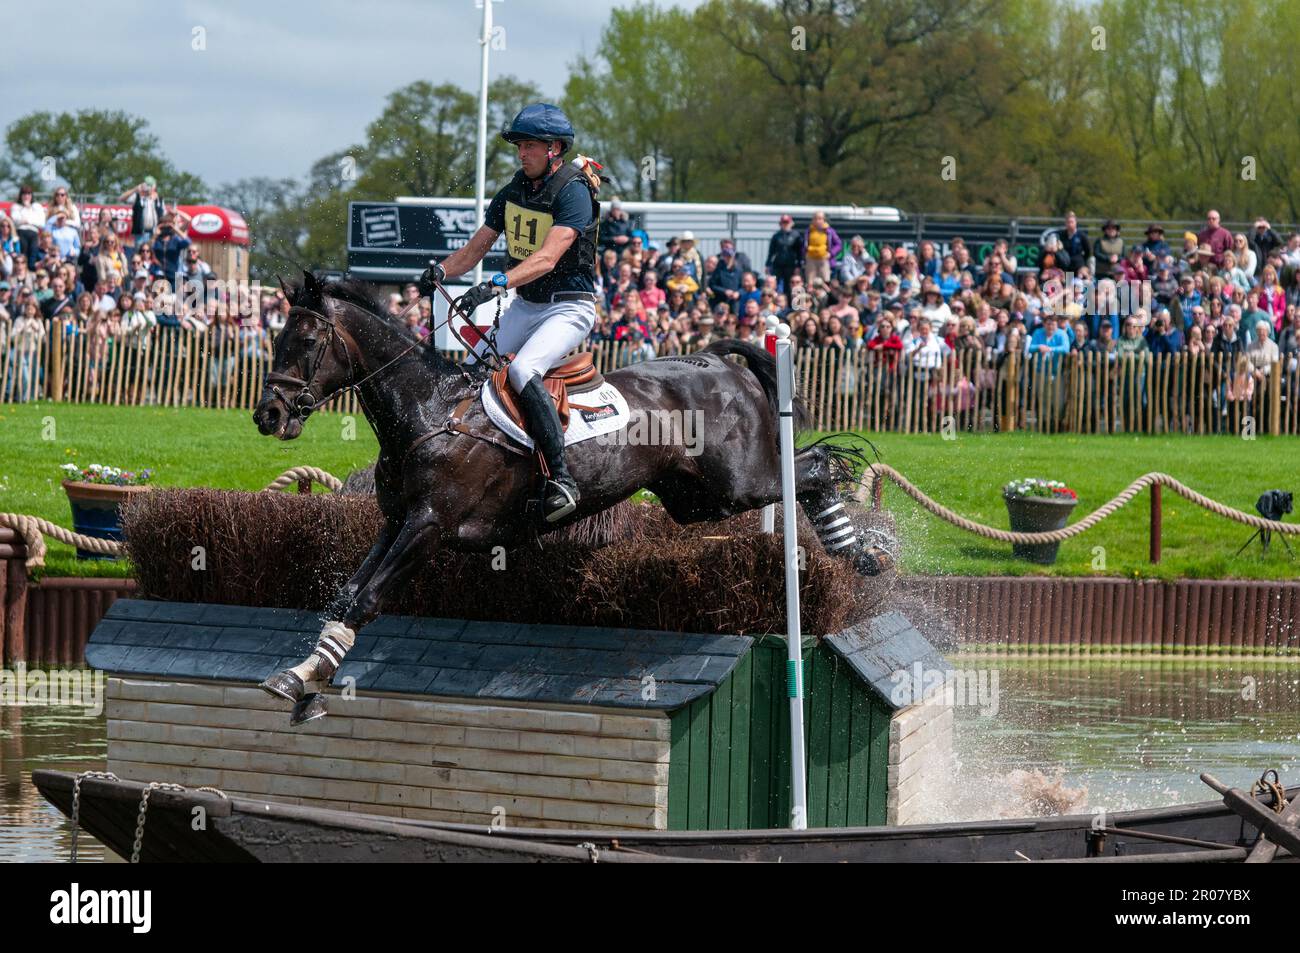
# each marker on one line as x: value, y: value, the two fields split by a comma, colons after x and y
x: 818, y: 473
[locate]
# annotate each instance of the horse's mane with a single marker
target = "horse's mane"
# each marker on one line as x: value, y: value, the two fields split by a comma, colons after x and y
x: 354, y: 291
x: 350, y: 291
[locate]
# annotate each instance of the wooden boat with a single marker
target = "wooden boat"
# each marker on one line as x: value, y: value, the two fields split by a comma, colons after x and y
x: 248, y: 830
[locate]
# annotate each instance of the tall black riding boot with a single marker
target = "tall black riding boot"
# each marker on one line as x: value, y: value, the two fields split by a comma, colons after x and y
x: 560, y: 498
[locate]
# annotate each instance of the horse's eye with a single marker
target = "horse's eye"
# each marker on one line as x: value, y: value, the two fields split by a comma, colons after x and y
x: 309, y: 342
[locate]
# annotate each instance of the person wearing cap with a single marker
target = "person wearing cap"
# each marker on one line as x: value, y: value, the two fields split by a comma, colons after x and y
x: 66, y: 237
x: 705, y: 334
x: 1215, y: 236
x: 147, y: 210
x: 724, y: 280
x: 1109, y: 250
x: 681, y: 282
x: 785, y: 253
x: 933, y: 306
x: 690, y: 256
x: 1164, y: 286
x: 1133, y: 267
x: 615, y: 227
x: 1155, y: 248
x: 1161, y: 335
x: 1264, y: 241
x: 742, y: 260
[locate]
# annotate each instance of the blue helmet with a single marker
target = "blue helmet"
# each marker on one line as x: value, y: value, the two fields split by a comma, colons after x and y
x: 543, y: 122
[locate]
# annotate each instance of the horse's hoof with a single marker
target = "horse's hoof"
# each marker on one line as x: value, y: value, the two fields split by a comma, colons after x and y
x: 873, y: 562
x: 308, y: 709
x: 286, y: 685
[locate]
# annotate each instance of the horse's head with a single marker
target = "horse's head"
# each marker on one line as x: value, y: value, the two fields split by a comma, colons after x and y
x: 310, y: 363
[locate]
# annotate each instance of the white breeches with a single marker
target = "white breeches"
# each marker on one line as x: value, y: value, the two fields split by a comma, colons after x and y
x: 541, y: 335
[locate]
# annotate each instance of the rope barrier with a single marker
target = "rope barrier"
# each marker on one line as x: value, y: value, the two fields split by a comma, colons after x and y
x: 878, y: 471
x: 34, y: 529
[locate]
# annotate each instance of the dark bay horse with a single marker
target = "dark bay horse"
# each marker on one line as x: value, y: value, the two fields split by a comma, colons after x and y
x: 471, y: 488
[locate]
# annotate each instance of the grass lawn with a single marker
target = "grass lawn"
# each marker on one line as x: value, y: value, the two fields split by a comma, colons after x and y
x: 197, y: 447
x: 967, y: 475
x: 184, y: 446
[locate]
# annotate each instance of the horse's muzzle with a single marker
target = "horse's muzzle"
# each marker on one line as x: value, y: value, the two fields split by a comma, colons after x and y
x: 273, y: 419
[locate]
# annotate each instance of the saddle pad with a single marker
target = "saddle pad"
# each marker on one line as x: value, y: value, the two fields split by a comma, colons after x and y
x: 591, y: 414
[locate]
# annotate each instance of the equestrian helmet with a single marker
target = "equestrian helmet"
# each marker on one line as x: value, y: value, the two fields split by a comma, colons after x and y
x: 543, y: 122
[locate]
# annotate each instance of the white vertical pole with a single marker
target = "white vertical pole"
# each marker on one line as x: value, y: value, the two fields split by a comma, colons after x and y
x: 794, y: 635
x: 769, y: 343
x: 480, y: 184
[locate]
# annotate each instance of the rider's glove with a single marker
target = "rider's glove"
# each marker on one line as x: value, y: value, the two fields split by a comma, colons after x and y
x: 433, y: 275
x: 481, y: 293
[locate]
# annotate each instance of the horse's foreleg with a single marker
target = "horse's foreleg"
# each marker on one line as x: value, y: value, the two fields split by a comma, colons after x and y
x: 303, y: 683
x: 822, y: 500
x: 392, y: 569
x: 348, y: 592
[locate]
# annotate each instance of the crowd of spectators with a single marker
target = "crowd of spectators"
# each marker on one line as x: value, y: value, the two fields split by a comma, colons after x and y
x: 1220, y: 293
x: 106, y: 289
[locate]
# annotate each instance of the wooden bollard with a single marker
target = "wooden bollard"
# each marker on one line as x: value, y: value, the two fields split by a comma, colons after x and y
x: 304, y: 485
x: 1155, y: 522
x: 13, y: 597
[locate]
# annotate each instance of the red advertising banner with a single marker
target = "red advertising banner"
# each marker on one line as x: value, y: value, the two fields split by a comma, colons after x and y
x: 208, y: 223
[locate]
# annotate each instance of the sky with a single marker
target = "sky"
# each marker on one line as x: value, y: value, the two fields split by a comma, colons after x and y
x: 280, y: 83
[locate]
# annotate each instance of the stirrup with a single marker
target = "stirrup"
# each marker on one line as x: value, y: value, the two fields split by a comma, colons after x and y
x: 565, y: 507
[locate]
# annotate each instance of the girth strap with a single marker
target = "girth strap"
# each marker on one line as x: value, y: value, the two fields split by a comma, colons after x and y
x: 455, y: 424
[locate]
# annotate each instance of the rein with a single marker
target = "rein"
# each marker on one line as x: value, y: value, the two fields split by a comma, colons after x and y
x: 305, y: 402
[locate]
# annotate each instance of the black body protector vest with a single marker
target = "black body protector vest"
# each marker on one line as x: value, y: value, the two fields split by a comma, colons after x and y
x: 528, y: 220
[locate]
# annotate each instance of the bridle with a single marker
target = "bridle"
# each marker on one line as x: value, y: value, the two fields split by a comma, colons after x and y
x: 304, y: 402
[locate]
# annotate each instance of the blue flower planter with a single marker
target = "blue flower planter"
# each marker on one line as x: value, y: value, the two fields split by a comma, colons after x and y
x: 96, y: 510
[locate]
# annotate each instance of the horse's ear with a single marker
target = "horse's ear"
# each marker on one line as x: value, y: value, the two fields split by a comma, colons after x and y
x: 309, y: 283
x: 283, y: 287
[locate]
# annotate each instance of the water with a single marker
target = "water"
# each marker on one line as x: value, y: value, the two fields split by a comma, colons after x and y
x: 61, y: 737
x: 1133, y: 733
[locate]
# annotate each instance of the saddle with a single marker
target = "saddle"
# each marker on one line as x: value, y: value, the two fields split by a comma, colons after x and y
x: 577, y: 375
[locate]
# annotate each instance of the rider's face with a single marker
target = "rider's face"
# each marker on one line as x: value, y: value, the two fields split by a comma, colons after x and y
x: 535, y: 156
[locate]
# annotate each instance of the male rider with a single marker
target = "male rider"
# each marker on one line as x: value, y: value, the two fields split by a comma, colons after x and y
x: 551, y: 216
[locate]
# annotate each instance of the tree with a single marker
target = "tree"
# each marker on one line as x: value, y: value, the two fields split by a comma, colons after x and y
x: 92, y: 152
x: 272, y: 209
x: 422, y: 143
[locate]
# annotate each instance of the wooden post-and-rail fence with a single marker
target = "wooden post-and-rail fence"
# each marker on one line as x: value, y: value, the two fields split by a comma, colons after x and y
x: 973, y: 389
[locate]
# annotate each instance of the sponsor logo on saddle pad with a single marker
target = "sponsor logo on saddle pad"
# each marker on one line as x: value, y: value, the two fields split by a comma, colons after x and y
x: 592, y: 414
x: 596, y: 413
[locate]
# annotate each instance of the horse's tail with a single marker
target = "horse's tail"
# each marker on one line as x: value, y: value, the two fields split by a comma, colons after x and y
x: 763, y: 366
